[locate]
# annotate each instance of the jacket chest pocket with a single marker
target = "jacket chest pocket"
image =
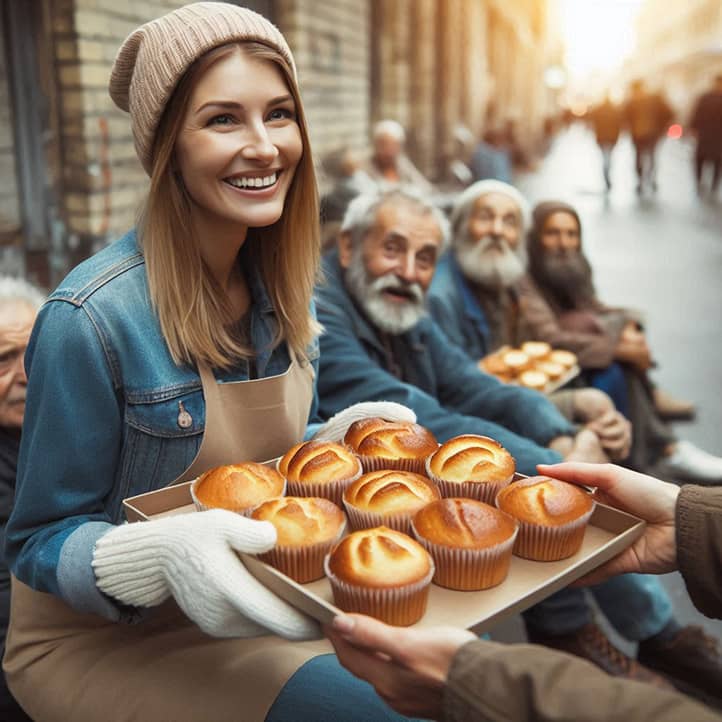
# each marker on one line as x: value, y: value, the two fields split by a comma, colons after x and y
x: 163, y: 435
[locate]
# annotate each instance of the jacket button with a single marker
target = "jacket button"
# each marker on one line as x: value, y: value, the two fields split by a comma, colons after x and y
x: 185, y: 420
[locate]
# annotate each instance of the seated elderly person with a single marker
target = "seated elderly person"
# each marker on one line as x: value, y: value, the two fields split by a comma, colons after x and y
x: 380, y: 345
x: 476, y: 297
x: 388, y: 165
x: 19, y: 303
x: 475, y: 293
x: 561, y: 307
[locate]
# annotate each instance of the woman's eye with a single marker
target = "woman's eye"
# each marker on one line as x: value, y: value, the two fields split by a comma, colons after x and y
x: 281, y: 114
x: 224, y: 119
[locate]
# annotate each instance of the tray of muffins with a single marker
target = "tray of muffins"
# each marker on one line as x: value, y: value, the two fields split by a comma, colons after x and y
x: 393, y: 524
x: 534, y: 365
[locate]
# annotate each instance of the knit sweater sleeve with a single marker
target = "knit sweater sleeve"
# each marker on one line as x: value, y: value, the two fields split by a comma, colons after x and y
x: 491, y: 682
x: 699, y: 546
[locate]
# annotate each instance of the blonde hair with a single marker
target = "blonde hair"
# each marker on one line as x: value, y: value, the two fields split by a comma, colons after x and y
x: 194, y: 313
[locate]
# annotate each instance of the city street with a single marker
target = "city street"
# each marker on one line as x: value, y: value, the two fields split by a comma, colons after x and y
x: 663, y: 256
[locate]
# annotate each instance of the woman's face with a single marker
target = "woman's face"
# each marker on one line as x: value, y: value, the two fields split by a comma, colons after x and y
x: 239, y: 145
x: 560, y: 232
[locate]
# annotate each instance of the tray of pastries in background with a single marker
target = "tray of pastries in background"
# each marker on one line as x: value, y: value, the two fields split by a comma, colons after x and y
x: 390, y: 523
x: 535, y: 365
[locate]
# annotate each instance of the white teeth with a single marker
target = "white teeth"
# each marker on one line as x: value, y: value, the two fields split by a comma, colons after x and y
x: 242, y: 182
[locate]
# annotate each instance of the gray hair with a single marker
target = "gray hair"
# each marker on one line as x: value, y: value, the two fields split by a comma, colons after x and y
x: 389, y: 127
x: 466, y: 199
x: 361, y: 212
x: 18, y: 289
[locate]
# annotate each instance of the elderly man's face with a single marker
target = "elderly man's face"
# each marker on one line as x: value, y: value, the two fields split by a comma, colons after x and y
x: 387, y: 149
x: 391, y: 270
x: 491, y: 254
x: 16, y: 322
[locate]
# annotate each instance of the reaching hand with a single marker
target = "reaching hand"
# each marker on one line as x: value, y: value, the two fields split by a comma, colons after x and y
x: 407, y: 667
x: 644, y: 496
x: 615, y: 434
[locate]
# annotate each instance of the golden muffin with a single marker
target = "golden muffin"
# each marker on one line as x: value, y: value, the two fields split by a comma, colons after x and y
x: 307, y: 527
x: 237, y: 487
x: 565, y: 358
x: 380, y: 572
x: 516, y: 361
x: 319, y: 468
x: 551, y: 369
x: 494, y: 365
x: 536, y: 350
x: 470, y: 542
x: 472, y: 466
x: 389, y: 497
x: 533, y: 379
x: 552, y: 516
x: 382, y: 444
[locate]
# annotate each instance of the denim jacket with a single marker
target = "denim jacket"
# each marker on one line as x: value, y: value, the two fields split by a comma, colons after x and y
x: 102, y: 418
x: 435, y: 378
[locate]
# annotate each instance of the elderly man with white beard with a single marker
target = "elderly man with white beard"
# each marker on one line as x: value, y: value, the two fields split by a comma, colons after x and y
x: 477, y: 297
x: 380, y: 345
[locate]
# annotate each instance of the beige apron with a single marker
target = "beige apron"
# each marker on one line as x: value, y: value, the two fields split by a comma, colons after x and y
x: 63, y: 665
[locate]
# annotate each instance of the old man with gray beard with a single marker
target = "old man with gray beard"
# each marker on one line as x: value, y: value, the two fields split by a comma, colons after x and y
x: 480, y: 297
x: 380, y: 345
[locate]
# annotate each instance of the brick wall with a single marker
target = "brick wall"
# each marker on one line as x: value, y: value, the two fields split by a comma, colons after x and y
x: 9, y: 209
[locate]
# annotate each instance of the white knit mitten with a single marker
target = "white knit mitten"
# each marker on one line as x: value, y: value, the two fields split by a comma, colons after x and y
x: 192, y: 558
x: 335, y: 428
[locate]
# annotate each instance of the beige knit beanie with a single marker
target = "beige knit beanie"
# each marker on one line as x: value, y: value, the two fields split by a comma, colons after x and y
x: 154, y: 57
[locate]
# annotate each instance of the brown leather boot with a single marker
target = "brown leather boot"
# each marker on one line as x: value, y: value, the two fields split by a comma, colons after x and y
x: 690, y: 659
x: 592, y: 644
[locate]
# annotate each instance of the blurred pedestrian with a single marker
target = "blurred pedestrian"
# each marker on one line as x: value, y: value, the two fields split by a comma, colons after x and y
x: 706, y: 124
x: 490, y: 159
x: 606, y: 121
x: 647, y: 116
x: 388, y: 163
x: 19, y: 304
x: 605, y: 338
x: 447, y: 674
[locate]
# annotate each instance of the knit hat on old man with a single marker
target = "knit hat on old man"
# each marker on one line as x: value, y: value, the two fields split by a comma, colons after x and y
x: 154, y: 57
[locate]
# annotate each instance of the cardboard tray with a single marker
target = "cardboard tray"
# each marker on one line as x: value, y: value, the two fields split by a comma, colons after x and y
x: 609, y: 532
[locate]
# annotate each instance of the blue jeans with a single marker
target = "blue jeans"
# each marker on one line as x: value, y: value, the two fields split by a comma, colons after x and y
x: 636, y: 605
x: 611, y: 380
x: 323, y: 691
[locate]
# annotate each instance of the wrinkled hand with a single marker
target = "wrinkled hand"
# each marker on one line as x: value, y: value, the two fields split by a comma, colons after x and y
x: 632, y: 348
x: 407, y: 667
x: 192, y: 557
x: 615, y: 434
x: 644, y: 496
x: 335, y: 428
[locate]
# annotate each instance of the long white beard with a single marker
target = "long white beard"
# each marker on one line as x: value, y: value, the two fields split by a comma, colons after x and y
x: 490, y: 267
x: 393, y: 318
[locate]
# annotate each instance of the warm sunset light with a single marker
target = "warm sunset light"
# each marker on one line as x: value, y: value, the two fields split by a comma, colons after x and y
x: 598, y: 34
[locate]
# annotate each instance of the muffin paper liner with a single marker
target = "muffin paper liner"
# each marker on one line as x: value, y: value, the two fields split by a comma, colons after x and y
x: 200, y: 506
x: 551, y: 543
x: 332, y: 490
x: 378, y: 463
x: 302, y: 563
x: 485, y: 491
x: 400, y: 606
x: 362, y: 519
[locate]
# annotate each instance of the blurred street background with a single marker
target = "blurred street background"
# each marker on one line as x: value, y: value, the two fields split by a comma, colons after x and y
x: 521, y: 75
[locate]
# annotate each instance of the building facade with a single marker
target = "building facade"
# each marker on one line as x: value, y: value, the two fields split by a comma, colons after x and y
x: 70, y: 178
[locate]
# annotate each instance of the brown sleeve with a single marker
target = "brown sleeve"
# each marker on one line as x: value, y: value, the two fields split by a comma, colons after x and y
x: 594, y: 350
x: 699, y: 546
x: 490, y: 682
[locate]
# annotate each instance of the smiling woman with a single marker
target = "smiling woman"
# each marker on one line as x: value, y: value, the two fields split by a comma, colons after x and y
x: 185, y: 345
